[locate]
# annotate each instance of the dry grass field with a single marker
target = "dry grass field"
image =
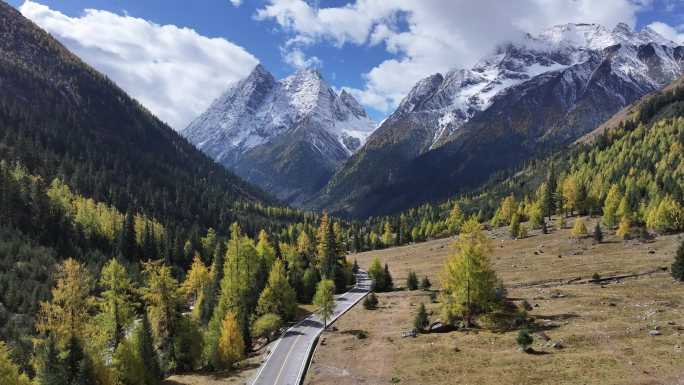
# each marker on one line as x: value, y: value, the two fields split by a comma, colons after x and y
x: 603, y: 328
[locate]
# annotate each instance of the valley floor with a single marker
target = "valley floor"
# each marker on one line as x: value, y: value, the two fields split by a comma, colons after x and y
x: 603, y: 328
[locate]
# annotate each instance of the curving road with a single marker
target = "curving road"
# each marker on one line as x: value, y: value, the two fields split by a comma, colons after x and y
x: 287, y: 362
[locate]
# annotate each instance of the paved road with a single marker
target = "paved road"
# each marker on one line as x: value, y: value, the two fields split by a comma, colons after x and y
x: 286, y: 363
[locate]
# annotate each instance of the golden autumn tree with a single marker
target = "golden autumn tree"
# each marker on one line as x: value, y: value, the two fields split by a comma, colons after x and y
x: 468, y: 280
x: 231, y: 346
x: 67, y: 314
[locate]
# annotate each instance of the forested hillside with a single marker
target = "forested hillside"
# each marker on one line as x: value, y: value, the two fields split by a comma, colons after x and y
x: 632, y: 170
x: 87, y: 173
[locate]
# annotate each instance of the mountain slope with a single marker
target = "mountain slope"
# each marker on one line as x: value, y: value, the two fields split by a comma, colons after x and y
x: 452, y: 131
x: 287, y: 136
x: 59, y: 117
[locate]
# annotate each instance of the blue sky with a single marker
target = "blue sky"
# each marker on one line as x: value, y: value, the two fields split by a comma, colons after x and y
x: 376, y: 48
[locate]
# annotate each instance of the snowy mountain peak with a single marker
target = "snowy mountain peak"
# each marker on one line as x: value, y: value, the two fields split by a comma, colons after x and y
x: 260, y: 112
x: 352, y: 104
x: 645, y: 58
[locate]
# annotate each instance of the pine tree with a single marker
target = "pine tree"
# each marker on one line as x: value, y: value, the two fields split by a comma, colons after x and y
x: 678, y: 264
x: 148, y: 354
x: 389, y: 283
x: 127, y: 239
x: 73, y: 359
x: 412, y: 281
x: 425, y: 284
x: 598, y: 233
x: 421, y: 321
x: 231, y: 346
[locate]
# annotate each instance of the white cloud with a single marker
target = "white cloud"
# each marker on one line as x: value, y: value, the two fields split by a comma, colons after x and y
x: 297, y: 59
x: 675, y: 34
x: 175, y: 72
x: 236, y: 3
x: 435, y: 35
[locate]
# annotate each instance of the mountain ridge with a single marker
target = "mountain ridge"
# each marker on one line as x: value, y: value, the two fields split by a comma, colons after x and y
x: 453, y: 130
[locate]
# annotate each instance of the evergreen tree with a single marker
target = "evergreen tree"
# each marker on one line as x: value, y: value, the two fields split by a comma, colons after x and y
x: 144, y: 344
x: 678, y: 264
x: 128, y: 247
x: 598, y: 233
x: 425, y: 284
x: 412, y: 281
x: 421, y: 321
x: 73, y: 359
x: 389, y: 283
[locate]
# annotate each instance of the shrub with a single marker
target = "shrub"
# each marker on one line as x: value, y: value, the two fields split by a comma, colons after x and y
x: 421, y: 321
x: 579, y: 229
x: 370, y: 302
x: 524, y: 339
x: 266, y: 326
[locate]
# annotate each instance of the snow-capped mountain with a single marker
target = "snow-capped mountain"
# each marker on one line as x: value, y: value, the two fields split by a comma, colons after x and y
x: 456, y: 128
x: 287, y: 136
x: 458, y: 95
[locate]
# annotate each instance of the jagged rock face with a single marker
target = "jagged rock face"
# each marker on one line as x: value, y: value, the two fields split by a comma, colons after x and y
x: 453, y: 131
x: 287, y: 136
